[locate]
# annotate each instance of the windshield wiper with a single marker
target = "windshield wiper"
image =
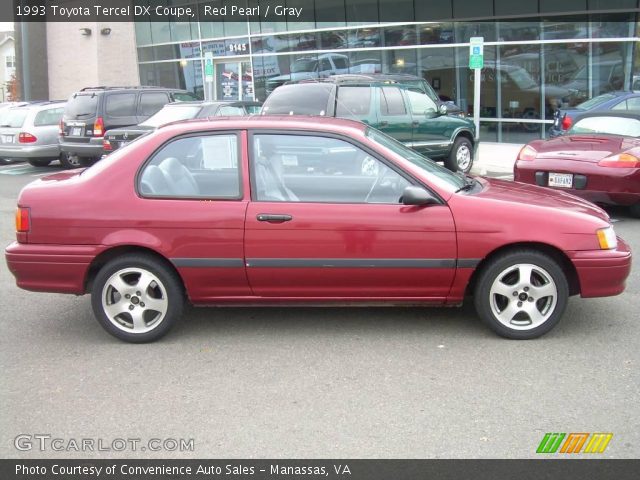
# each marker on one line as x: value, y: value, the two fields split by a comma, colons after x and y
x: 84, y: 114
x: 469, y: 183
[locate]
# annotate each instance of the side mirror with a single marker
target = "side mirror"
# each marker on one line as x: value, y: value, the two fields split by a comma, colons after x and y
x: 414, y: 195
x: 443, y: 109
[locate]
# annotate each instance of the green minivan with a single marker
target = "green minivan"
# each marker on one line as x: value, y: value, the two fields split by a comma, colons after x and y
x: 409, y: 116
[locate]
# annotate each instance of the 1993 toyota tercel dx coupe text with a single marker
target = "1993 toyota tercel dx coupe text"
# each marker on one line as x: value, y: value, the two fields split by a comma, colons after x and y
x: 294, y: 210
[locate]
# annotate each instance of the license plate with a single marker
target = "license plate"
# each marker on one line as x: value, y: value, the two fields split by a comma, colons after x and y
x: 7, y: 138
x: 76, y: 131
x: 563, y: 180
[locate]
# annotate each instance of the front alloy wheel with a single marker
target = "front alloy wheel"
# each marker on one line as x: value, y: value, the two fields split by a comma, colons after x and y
x: 137, y: 298
x: 521, y: 294
x: 460, y: 158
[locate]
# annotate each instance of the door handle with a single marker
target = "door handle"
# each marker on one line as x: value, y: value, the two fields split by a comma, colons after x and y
x: 273, y: 218
x: 384, y: 123
x: 415, y: 123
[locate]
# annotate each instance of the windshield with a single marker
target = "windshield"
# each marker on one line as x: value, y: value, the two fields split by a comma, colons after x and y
x: 595, y: 101
x: 522, y: 78
x: 170, y: 114
x: 628, y: 127
x: 14, y: 118
x: 81, y: 106
x: 427, y: 165
x: 303, y: 65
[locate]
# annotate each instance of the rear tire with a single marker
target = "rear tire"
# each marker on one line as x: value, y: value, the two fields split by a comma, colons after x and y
x: 635, y: 210
x: 521, y: 294
x: 38, y: 162
x: 460, y: 158
x: 69, y: 160
x: 137, y: 298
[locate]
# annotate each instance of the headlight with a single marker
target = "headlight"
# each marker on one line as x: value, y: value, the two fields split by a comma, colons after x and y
x: 607, y: 238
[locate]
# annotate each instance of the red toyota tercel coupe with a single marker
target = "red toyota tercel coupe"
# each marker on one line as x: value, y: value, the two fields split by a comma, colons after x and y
x: 295, y: 210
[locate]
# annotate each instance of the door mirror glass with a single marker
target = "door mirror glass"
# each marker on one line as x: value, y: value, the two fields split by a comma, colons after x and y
x: 414, y: 195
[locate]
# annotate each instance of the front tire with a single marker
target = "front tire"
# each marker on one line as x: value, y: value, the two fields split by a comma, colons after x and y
x: 460, y: 158
x: 635, y: 210
x: 521, y: 294
x: 137, y: 298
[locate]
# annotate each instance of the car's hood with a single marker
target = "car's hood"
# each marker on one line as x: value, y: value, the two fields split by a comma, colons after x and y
x: 584, y: 148
x: 531, y: 195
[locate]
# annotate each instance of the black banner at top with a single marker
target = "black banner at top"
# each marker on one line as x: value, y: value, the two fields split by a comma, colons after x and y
x: 373, y: 11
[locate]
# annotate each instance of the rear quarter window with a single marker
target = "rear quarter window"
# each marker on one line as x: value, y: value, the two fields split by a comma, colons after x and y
x: 353, y: 101
x: 121, y: 105
x: 50, y: 116
x: 312, y: 99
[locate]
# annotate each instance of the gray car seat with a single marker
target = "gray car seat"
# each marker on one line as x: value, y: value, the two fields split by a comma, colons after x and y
x: 180, y: 180
x: 154, y: 182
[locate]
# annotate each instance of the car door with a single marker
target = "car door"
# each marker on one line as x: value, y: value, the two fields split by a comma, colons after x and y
x: 430, y: 129
x: 394, y: 118
x: 198, y: 178
x: 340, y: 233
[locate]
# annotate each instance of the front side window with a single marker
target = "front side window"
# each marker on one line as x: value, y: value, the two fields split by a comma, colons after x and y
x: 194, y: 167
x: 307, y: 168
x: 421, y: 104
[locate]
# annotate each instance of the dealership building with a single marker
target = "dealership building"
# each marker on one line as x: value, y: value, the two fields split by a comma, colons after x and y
x: 538, y: 55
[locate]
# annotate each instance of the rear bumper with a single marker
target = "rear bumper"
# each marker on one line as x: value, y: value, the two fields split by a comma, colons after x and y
x: 30, y: 151
x: 50, y: 268
x: 602, y: 273
x: 91, y: 149
x: 608, y: 186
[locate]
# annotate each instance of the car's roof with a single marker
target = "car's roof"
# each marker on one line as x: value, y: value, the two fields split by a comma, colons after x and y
x: 269, y: 122
x: 39, y: 105
x: 207, y: 103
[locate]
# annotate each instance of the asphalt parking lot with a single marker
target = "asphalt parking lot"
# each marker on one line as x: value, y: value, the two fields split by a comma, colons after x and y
x: 316, y: 382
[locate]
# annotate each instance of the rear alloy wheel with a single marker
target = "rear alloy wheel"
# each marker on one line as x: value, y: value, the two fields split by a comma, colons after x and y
x: 38, y: 162
x: 136, y: 298
x: 460, y: 158
x: 69, y: 160
x: 521, y: 294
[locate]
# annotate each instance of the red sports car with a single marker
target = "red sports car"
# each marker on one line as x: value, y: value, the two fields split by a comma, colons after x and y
x: 598, y: 159
x: 302, y: 210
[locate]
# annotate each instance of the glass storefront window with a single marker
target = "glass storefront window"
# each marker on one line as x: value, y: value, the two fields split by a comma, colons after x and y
x: 143, y: 33
x: 184, y: 74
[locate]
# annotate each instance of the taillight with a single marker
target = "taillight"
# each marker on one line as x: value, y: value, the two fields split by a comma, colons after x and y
x: 566, y: 122
x: 61, y: 128
x: 622, y: 160
x: 23, y: 222
x: 24, y: 137
x: 98, y: 127
x: 527, y: 153
x: 106, y: 145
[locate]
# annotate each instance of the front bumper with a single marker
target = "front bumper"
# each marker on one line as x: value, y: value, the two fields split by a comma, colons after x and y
x: 30, y: 151
x: 602, y: 273
x: 50, y: 268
